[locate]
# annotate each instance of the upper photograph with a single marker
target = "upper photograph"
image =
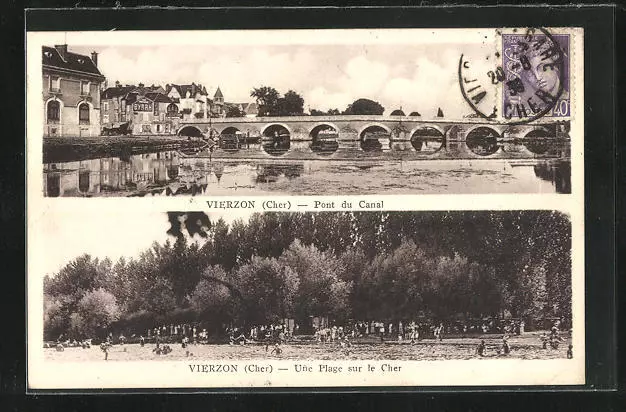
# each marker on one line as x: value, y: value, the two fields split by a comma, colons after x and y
x: 305, y: 112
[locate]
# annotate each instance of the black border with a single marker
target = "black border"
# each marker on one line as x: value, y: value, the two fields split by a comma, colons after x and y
x: 600, y: 78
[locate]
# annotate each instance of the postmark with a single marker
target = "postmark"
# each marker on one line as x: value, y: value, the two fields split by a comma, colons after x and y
x: 528, y: 78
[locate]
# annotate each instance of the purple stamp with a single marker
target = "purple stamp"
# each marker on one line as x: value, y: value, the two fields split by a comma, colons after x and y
x: 536, y: 75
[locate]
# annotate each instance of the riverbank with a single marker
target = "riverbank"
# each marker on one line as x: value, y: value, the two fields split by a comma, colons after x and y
x: 67, y: 149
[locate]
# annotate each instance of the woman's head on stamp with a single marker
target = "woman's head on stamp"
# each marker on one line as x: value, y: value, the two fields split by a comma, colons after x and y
x: 544, y: 71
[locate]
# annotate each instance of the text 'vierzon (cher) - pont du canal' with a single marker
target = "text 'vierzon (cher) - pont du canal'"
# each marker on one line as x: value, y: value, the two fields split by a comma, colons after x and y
x: 288, y: 205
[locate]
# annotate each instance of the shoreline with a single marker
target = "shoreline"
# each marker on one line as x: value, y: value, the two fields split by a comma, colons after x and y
x: 67, y: 149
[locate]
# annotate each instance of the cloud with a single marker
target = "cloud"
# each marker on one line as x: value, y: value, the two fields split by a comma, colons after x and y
x: 322, y: 99
x: 419, y: 77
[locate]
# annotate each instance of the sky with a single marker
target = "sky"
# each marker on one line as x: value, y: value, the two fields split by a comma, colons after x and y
x: 419, y: 75
x: 71, y: 233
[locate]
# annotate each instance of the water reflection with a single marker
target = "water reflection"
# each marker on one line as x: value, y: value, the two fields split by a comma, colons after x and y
x: 174, y: 174
x: 558, y: 172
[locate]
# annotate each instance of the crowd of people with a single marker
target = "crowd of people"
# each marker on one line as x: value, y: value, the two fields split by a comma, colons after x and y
x: 415, y: 330
x: 273, y: 335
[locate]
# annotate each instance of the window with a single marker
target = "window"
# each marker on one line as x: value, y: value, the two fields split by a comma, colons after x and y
x: 54, y: 111
x: 84, y: 88
x: 172, y: 109
x: 54, y: 83
x: 105, y: 106
x: 83, y: 181
x: 105, y: 118
x: 83, y: 113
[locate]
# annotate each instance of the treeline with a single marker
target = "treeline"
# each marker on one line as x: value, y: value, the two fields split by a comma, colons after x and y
x: 362, y: 266
x: 271, y: 103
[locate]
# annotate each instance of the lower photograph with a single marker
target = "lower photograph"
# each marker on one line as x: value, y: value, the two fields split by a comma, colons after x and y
x: 303, y: 300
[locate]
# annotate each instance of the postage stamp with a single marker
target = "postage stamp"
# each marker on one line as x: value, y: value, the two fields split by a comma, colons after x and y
x: 526, y: 79
x: 536, y: 72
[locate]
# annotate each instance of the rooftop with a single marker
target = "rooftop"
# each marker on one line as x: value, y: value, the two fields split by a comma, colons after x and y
x: 51, y: 56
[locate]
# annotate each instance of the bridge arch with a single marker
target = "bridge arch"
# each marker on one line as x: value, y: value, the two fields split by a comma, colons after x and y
x: 268, y: 128
x: 326, y: 144
x: 434, y: 126
x: 231, y: 138
x: 317, y: 127
x: 373, y: 144
x: 482, y: 140
x: 373, y: 125
x: 230, y: 130
x: 190, y: 130
x: 276, y: 139
x: 427, y: 139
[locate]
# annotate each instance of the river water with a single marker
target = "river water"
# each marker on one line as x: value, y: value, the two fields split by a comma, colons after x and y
x: 172, y: 173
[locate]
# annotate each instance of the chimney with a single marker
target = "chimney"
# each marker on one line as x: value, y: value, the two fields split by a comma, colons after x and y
x: 94, y: 58
x: 62, y: 49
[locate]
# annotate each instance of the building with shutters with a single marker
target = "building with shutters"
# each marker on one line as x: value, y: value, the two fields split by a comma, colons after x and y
x: 71, y: 93
x: 147, y: 109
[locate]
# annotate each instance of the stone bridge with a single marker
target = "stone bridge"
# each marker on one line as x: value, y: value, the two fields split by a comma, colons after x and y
x: 356, y: 128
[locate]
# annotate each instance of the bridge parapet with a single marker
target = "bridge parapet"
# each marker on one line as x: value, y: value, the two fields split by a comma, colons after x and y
x: 353, y: 127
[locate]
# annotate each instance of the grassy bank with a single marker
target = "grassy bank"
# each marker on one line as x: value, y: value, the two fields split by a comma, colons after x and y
x: 66, y: 149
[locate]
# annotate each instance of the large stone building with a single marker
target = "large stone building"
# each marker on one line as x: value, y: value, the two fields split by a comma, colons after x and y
x: 147, y: 109
x: 152, y: 113
x: 71, y: 92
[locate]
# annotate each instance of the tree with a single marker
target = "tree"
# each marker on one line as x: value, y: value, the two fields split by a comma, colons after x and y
x: 365, y: 107
x: 266, y: 99
x: 95, y: 313
x: 55, y: 320
x: 415, y: 113
x: 234, y: 111
x: 397, y: 112
x: 80, y: 275
x: 321, y: 290
x: 292, y: 104
x: 330, y: 112
x: 268, y: 289
x: 213, y: 298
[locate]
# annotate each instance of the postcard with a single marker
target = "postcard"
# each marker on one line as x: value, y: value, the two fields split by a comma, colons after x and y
x: 309, y: 209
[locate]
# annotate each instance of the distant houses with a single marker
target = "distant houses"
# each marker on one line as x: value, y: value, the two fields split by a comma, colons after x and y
x: 71, y: 92
x: 154, y: 110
